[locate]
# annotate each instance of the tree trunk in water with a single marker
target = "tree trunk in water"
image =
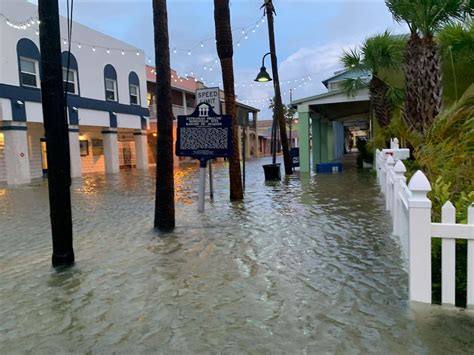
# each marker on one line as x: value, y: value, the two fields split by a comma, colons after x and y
x: 430, y: 85
x: 56, y: 133
x: 378, y: 97
x: 164, y: 197
x: 411, y: 110
x: 276, y: 83
x: 225, y: 52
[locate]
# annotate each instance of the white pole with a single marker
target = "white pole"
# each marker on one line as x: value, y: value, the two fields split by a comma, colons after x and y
x: 202, y: 185
x: 211, y: 184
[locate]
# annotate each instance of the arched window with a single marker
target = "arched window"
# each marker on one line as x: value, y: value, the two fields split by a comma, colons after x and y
x: 71, y: 79
x: 134, y: 88
x: 110, y: 80
x: 28, y: 63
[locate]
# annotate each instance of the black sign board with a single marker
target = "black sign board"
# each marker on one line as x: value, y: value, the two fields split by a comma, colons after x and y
x: 204, y: 135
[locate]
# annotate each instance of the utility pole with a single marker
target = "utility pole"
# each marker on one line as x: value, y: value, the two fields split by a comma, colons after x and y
x: 269, y: 9
x: 56, y: 133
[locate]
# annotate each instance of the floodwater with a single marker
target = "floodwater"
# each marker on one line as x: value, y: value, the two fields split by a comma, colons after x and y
x: 302, y: 266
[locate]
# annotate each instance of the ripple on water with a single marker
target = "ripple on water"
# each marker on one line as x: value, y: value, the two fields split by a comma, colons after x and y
x: 307, y: 265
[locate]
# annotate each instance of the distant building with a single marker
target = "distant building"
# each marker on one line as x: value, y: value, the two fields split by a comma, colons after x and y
x: 107, y: 107
x: 328, y: 121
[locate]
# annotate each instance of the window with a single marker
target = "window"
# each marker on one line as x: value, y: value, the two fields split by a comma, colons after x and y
x: 134, y: 95
x: 28, y: 72
x: 110, y: 89
x: 70, y: 81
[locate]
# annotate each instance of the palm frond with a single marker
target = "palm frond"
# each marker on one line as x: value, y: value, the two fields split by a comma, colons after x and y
x: 351, y: 59
x: 352, y: 86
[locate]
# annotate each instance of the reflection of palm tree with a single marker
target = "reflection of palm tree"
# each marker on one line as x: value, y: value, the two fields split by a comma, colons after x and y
x: 378, y: 53
x: 423, y: 87
x: 225, y: 51
x: 164, y: 195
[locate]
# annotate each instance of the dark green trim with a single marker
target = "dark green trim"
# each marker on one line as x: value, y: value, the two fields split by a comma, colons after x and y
x: 13, y: 128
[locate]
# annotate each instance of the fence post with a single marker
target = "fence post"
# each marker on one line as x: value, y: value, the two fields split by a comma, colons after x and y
x: 419, y: 236
x: 389, y: 183
x: 448, y: 257
x: 470, y: 261
x: 383, y: 170
x: 395, y: 144
x: 377, y: 164
x: 399, y: 172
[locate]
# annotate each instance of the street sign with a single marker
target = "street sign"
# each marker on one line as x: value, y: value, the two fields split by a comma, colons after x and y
x: 204, y: 134
x: 210, y: 96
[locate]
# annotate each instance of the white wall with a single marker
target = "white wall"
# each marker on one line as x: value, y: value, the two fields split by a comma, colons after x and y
x: 91, y: 64
x: 91, y: 163
x: 3, y: 173
x: 35, y: 133
x: 93, y: 118
x: 5, y: 108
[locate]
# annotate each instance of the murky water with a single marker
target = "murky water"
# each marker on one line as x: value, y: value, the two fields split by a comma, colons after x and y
x: 307, y: 265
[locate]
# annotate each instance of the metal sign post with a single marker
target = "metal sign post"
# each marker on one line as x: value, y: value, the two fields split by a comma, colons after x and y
x: 204, y: 135
x: 211, y: 96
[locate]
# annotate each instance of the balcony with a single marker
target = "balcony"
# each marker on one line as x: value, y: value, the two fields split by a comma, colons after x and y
x: 177, y: 111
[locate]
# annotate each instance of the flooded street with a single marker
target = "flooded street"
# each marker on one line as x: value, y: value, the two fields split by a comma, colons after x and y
x: 307, y: 265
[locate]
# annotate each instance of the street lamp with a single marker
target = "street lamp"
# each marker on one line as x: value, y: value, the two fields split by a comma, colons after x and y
x: 263, y: 76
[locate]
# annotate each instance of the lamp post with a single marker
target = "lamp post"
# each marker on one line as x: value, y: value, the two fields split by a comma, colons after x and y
x: 263, y: 76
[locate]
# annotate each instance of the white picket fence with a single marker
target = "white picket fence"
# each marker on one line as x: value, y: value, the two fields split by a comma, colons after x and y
x: 411, y: 212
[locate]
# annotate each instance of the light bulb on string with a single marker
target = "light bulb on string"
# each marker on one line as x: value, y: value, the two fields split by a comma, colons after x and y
x: 79, y: 46
x: 37, y: 33
x: 246, y: 37
x: 202, y: 45
x: 123, y: 53
x: 93, y: 49
x: 174, y: 50
x: 189, y: 52
x: 64, y: 42
x: 138, y: 53
x: 108, y: 51
x: 238, y: 44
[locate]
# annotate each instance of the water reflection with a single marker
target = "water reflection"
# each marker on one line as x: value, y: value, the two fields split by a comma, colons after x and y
x: 306, y: 265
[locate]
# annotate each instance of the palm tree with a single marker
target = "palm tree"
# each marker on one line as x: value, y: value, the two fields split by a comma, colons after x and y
x: 423, y: 87
x: 378, y: 53
x: 225, y: 51
x: 164, y: 195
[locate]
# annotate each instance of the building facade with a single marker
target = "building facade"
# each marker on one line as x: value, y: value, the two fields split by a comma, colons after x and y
x: 327, y: 121
x: 107, y: 109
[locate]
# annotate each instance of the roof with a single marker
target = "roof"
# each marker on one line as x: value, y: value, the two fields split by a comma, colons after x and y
x: 345, y: 74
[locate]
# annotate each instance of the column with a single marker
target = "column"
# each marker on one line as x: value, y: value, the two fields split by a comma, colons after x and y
x: 184, y: 103
x: 303, y: 133
x: 111, y: 151
x: 254, y: 118
x: 324, y: 141
x: 239, y: 134
x: 330, y: 141
x: 17, y: 160
x: 247, y: 142
x: 74, y: 151
x: 141, y: 149
x: 316, y: 132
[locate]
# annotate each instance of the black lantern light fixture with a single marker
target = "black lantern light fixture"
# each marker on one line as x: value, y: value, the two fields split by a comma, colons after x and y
x: 263, y: 76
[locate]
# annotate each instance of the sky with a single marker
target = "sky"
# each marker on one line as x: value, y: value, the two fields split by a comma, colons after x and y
x: 310, y: 37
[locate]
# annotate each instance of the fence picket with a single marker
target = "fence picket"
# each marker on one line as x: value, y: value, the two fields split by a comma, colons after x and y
x: 448, y: 258
x: 470, y: 261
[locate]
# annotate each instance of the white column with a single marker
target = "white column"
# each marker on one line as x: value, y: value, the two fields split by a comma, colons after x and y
x: 17, y: 160
x: 74, y: 151
x: 247, y: 143
x: 184, y: 103
x: 141, y: 148
x: 239, y: 134
x: 111, y: 151
x: 419, y: 236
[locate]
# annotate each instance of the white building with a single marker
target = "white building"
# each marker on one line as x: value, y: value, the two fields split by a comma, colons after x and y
x: 107, y: 102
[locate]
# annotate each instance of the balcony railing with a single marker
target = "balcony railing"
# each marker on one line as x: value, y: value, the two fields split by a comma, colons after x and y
x: 177, y: 111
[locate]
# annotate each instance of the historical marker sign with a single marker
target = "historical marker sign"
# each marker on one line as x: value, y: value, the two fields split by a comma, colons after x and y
x: 204, y: 134
x: 210, y: 96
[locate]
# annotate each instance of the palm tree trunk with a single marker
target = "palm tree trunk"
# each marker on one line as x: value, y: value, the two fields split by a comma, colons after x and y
x: 57, y: 136
x: 411, y: 109
x: 225, y: 51
x: 276, y: 83
x: 430, y: 85
x: 378, y: 96
x: 164, y: 195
